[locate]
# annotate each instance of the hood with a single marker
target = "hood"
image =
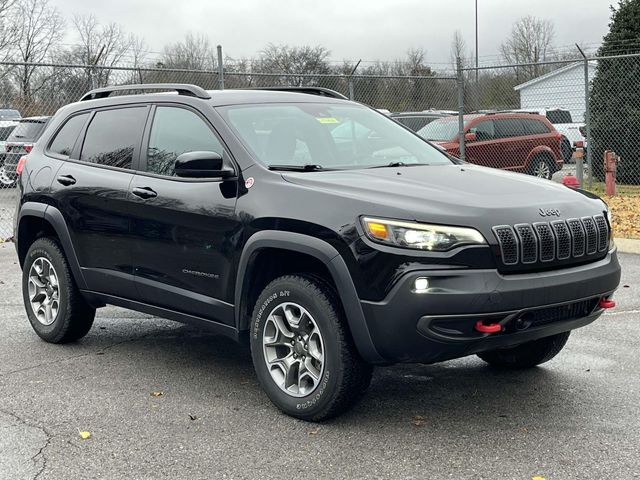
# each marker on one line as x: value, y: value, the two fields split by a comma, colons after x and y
x: 466, y: 195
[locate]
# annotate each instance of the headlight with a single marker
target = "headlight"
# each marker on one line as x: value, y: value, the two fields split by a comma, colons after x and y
x: 420, y: 236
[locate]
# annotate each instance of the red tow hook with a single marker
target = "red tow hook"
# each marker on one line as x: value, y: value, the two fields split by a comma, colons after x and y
x: 606, y: 303
x: 491, y: 328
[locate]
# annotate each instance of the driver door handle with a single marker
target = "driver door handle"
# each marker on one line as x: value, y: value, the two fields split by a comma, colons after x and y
x: 66, y: 180
x: 144, y: 192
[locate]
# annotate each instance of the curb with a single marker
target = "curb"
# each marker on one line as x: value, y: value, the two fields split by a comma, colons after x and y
x: 628, y: 245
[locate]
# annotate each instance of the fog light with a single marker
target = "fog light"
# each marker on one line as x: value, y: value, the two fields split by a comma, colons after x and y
x: 421, y: 285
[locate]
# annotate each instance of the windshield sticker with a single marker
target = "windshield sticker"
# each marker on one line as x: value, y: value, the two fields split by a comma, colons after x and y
x: 328, y: 120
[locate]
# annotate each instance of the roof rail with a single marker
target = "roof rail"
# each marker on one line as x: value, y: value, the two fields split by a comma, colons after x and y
x: 181, y: 88
x: 320, y: 91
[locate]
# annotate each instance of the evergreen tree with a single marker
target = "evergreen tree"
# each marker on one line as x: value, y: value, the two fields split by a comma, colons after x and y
x: 615, y: 95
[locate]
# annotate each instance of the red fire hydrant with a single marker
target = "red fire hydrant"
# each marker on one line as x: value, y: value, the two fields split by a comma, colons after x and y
x: 570, y: 181
x: 610, y: 166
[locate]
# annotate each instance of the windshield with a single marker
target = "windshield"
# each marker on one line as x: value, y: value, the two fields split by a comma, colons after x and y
x: 559, y: 116
x: 441, y: 130
x: 327, y: 136
x: 26, y: 130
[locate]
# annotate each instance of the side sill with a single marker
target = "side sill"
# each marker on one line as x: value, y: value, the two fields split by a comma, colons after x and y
x: 96, y: 298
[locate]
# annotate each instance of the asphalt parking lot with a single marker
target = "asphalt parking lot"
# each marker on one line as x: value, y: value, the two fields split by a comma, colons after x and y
x: 576, y: 417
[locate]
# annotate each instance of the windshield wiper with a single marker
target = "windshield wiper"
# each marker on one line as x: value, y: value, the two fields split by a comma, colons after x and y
x: 298, y: 168
x: 400, y: 164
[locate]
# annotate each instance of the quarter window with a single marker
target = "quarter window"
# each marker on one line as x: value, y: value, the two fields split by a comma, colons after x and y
x: 534, y: 127
x: 66, y: 137
x: 176, y: 131
x: 112, y: 136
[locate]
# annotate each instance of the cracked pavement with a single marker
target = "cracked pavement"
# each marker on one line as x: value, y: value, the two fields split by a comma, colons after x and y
x: 578, y: 416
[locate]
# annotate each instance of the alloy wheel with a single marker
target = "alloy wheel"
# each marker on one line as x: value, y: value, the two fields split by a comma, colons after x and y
x: 293, y: 349
x: 44, y: 291
x: 542, y: 170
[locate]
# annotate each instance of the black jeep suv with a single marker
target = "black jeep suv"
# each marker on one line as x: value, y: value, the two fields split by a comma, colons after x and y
x: 265, y: 215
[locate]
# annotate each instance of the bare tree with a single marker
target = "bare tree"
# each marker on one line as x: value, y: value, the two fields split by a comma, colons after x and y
x: 9, y: 27
x: 460, y: 50
x: 101, y: 46
x: 41, y: 28
x: 305, y: 60
x: 530, y: 41
x: 195, y: 52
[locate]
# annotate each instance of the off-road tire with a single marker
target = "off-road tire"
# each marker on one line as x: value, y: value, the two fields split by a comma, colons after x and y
x: 345, y: 377
x: 528, y: 354
x: 74, y: 317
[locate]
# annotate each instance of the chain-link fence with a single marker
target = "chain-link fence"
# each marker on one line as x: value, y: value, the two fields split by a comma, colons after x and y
x: 531, y: 117
x: 527, y: 118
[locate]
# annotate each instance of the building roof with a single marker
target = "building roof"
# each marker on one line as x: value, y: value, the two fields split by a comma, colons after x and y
x: 552, y: 74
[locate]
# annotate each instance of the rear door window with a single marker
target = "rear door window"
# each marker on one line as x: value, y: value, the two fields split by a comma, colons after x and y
x: 66, y: 137
x: 113, y: 137
x: 484, y: 131
x: 508, y: 127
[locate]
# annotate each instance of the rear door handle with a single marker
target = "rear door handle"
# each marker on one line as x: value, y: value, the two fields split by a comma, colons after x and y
x: 66, y: 180
x: 144, y: 192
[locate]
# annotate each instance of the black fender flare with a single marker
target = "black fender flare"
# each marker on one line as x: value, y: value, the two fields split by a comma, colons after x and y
x: 54, y: 217
x: 337, y: 267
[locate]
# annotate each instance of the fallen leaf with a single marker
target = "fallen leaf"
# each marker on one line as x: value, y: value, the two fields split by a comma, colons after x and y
x: 84, y: 434
x: 192, y: 417
x: 418, y: 421
x: 157, y: 394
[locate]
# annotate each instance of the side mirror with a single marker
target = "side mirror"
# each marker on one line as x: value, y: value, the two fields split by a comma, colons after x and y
x: 203, y: 165
x: 470, y: 137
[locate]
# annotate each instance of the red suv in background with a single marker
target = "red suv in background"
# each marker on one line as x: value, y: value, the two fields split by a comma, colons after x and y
x: 521, y: 142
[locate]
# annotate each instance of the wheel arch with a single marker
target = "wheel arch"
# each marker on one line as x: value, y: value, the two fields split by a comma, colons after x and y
x: 38, y: 220
x: 541, y: 151
x: 319, y: 253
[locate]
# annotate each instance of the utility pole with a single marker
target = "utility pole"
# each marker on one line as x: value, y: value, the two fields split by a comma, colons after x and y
x: 476, y: 43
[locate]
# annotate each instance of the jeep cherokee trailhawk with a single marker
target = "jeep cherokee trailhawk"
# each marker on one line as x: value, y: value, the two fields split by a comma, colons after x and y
x: 268, y: 215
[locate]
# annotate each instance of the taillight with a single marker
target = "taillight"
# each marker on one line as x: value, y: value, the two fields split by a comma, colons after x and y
x: 28, y: 148
x: 21, y: 164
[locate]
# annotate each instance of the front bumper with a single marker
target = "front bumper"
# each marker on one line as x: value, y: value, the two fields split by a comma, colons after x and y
x: 439, y: 324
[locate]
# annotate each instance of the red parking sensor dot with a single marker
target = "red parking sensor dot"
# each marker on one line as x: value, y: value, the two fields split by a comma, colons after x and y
x: 606, y: 303
x: 491, y: 328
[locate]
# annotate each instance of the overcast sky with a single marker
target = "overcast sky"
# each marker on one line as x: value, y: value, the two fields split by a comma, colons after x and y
x: 351, y: 29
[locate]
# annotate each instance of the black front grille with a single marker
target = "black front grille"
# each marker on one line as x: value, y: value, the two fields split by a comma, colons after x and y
x: 578, y: 236
x: 603, y: 232
x: 526, y: 244
x: 547, y: 241
x: 508, y: 244
x: 571, y: 311
x: 591, y: 232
